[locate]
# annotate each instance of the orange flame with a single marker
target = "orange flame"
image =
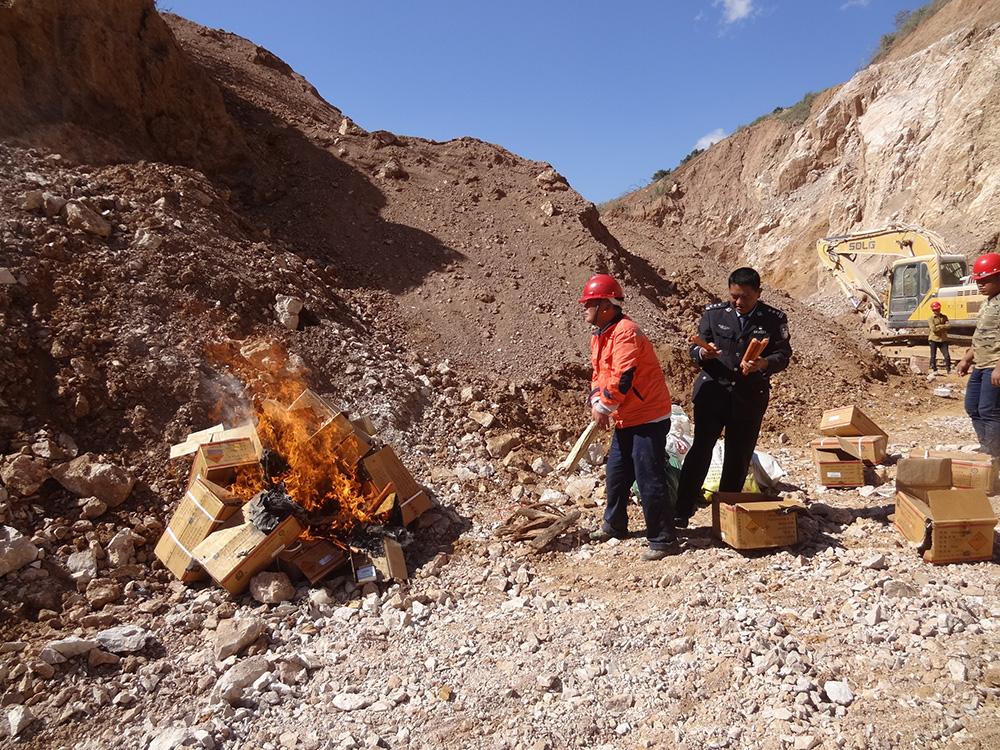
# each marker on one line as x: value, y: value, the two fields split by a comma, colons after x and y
x: 319, y: 446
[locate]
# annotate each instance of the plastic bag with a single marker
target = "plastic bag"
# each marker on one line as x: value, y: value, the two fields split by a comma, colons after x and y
x: 766, y: 470
x: 680, y: 425
x: 714, y: 476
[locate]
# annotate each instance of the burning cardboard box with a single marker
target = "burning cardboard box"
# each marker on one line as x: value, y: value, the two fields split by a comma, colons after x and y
x: 385, y: 469
x: 308, y: 472
x: 945, y: 525
x: 202, y: 510
x: 379, y: 558
x: 228, y: 456
x: 313, y: 559
x: 240, y: 549
x: 749, y: 521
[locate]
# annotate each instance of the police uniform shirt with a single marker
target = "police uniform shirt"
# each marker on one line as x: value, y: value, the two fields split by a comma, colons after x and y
x: 986, y: 339
x: 731, y: 333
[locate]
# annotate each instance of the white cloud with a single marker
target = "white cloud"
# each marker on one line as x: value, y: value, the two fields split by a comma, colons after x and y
x: 735, y: 10
x: 855, y: 4
x: 709, y: 138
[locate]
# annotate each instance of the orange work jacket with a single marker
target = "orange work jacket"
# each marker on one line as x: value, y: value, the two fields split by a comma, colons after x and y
x: 627, y: 381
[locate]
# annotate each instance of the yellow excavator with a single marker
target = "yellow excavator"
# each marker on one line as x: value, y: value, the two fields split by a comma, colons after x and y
x: 923, y: 274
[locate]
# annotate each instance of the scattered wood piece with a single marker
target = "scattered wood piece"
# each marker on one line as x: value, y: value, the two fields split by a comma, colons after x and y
x: 568, y: 466
x: 538, y: 524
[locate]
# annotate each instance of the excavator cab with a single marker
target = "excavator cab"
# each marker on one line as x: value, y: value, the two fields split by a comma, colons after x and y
x: 916, y: 282
x: 911, y: 281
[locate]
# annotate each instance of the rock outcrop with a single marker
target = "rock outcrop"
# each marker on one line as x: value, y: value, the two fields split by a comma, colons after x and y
x: 911, y: 139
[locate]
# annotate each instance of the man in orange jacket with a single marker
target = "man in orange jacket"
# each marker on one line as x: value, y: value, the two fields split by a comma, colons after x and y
x: 628, y: 389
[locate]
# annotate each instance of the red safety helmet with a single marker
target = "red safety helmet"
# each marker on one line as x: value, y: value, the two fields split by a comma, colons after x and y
x: 935, y: 306
x: 986, y: 265
x: 603, y: 286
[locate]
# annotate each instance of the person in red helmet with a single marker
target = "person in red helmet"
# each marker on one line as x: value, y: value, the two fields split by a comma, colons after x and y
x: 628, y: 390
x: 982, y: 394
x: 937, y: 337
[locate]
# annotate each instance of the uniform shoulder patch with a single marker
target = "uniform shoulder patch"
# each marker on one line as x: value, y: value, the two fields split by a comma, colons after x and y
x: 775, y: 312
x: 716, y: 306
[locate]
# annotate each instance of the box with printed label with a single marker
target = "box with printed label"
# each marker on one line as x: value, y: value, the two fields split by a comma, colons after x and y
x: 836, y: 468
x: 239, y: 550
x: 313, y: 558
x: 750, y: 521
x: 848, y: 421
x: 202, y: 509
x: 869, y: 448
x: 946, y: 525
x: 974, y: 471
x: 238, y: 449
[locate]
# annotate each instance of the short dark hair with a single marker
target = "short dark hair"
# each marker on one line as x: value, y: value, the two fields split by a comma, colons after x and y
x: 745, y: 277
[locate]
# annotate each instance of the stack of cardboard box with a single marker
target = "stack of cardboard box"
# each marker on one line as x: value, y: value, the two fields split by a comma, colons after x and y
x: 944, y: 523
x: 973, y: 471
x: 210, y: 535
x: 851, y: 441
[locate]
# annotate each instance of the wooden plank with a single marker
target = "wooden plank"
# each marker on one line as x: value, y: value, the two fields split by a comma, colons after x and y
x: 582, y: 443
x: 547, y: 537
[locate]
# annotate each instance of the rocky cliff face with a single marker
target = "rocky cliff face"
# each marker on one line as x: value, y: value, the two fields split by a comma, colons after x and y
x: 911, y: 140
x: 104, y: 80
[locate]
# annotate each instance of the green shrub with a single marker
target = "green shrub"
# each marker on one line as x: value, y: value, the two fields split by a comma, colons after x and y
x: 798, y: 112
x: 659, y: 174
x: 690, y: 156
x: 906, y: 22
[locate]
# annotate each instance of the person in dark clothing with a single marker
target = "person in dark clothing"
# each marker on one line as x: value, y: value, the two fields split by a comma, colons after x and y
x: 726, y: 397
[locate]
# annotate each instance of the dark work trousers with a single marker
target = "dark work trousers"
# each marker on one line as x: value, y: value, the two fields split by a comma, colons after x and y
x: 639, y: 454
x: 982, y: 404
x: 740, y: 411
x: 941, y: 346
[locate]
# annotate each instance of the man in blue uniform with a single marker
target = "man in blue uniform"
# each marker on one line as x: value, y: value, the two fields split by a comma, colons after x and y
x: 725, y: 397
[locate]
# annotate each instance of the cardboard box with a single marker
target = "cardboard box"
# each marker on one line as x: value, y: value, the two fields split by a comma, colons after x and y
x: 218, y: 460
x: 384, y: 467
x: 848, y: 421
x: 836, y: 468
x: 195, y: 439
x: 946, y: 525
x: 238, y: 550
x: 314, y: 410
x: 917, y: 475
x: 869, y: 448
x: 974, y: 471
x: 384, y: 562
x: 748, y: 521
x: 339, y: 436
x: 202, y: 509
x: 313, y: 558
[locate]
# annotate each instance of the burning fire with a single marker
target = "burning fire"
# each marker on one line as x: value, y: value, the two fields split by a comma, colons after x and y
x: 312, y: 452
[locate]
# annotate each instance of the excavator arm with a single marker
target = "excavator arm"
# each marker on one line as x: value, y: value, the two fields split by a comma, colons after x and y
x: 838, y: 254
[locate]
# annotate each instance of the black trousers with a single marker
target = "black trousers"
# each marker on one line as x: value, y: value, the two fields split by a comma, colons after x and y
x: 943, y: 347
x: 738, y: 410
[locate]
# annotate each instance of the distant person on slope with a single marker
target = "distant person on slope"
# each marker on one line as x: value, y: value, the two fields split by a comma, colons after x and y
x: 982, y: 394
x: 628, y: 389
x: 937, y: 337
x: 726, y: 397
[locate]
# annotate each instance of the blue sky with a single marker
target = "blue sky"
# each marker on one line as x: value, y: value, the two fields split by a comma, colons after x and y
x: 607, y: 92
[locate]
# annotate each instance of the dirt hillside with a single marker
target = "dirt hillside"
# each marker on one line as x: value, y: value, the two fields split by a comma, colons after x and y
x: 147, y: 273
x: 909, y: 140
